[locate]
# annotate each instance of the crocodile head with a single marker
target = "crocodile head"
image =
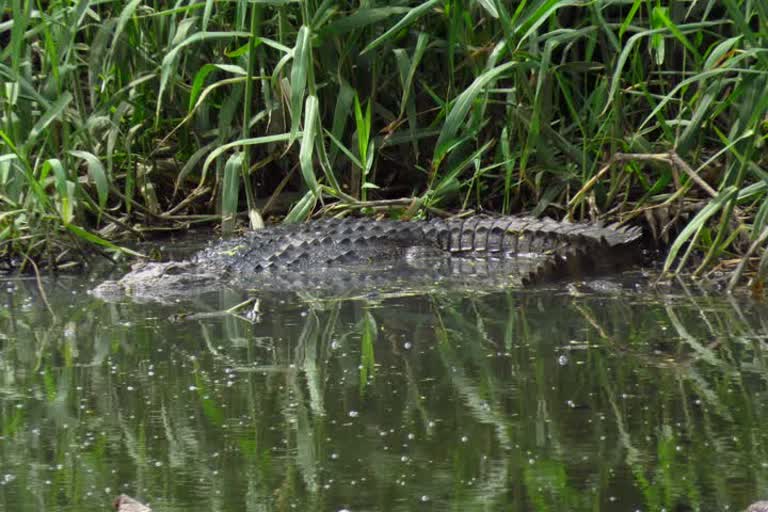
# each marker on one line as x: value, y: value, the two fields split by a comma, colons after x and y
x: 157, y: 282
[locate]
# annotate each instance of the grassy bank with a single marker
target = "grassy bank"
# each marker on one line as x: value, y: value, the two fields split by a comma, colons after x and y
x: 122, y: 117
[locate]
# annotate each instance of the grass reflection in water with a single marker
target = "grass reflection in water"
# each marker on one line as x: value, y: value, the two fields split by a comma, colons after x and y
x: 535, y: 400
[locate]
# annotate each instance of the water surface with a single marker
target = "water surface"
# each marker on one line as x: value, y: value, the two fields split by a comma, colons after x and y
x: 542, y: 399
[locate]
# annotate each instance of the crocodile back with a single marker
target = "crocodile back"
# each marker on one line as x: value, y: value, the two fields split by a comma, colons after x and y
x: 316, y: 245
x: 338, y: 242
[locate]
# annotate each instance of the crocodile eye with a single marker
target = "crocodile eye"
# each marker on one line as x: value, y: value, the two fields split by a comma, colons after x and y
x: 175, y: 269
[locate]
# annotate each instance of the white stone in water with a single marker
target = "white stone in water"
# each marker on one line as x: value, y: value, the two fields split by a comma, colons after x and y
x: 759, y: 506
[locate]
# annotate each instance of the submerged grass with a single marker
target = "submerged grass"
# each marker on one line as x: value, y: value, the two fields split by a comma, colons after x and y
x: 122, y: 117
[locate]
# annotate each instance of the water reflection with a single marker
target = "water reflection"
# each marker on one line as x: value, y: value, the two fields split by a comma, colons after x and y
x: 526, y: 400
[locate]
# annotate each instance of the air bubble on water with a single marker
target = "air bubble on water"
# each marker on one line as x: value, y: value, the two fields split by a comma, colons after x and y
x: 334, y: 456
x: 411, y: 437
x: 7, y: 478
x: 353, y: 414
x: 407, y: 345
x: 562, y: 360
x: 425, y: 498
x: 192, y: 388
x: 464, y: 439
x: 404, y: 458
x: 571, y: 404
x: 158, y: 464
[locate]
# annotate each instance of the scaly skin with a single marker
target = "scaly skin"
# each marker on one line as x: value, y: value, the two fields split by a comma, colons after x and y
x: 363, y: 253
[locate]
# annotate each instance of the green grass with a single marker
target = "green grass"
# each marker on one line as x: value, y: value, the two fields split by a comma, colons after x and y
x: 117, y: 118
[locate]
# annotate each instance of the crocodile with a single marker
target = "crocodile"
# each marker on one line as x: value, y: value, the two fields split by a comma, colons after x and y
x: 335, y: 255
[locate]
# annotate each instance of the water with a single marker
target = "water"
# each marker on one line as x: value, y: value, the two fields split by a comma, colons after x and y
x: 543, y: 399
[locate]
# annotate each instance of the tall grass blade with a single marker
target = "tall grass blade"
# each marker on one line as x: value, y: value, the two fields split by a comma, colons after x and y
x: 698, y: 222
x: 168, y: 65
x: 308, y: 143
x: 460, y: 108
x: 299, y: 70
x: 413, y: 15
x: 56, y: 109
x: 230, y: 191
x: 64, y: 189
x: 96, y: 173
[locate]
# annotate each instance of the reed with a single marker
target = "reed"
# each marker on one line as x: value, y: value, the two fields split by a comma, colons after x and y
x: 123, y: 117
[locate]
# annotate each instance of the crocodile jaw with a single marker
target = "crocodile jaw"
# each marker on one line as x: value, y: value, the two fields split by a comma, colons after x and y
x: 157, y: 282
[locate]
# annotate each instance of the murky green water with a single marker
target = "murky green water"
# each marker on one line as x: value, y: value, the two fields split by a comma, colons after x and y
x: 527, y: 400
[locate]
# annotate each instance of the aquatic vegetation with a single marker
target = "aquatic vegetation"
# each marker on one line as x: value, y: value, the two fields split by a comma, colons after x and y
x: 122, y: 117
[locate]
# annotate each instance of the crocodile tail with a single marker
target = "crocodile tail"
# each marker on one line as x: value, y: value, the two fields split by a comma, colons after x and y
x: 526, y: 235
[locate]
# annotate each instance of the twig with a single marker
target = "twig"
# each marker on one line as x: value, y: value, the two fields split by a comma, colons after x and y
x: 197, y: 192
x: 377, y: 204
x: 671, y: 158
x: 40, y: 288
x: 736, y: 276
x: 681, y: 164
x: 588, y: 186
x: 273, y: 198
